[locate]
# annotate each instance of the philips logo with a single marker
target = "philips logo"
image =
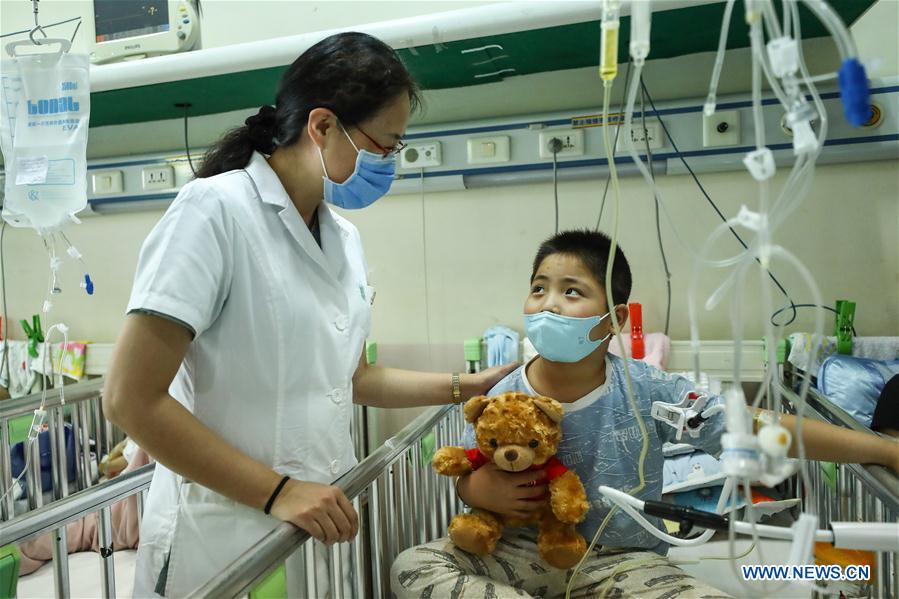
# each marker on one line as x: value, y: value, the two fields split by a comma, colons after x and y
x: 133, y: 47
x: 53, y: 105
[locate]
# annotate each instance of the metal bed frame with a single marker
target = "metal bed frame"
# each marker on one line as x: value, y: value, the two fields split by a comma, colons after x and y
x: 400, y: 500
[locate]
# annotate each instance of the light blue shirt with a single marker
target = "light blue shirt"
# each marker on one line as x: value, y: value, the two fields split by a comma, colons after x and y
x: 601, y: 442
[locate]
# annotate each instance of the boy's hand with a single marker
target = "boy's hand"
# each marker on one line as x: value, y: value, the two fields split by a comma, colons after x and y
x: 501, y: 492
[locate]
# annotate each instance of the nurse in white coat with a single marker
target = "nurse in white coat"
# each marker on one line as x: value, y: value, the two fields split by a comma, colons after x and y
x: 241, y: 354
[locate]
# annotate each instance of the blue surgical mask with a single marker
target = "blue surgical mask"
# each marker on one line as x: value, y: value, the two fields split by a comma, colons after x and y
x: 369, y: 182
x: 562, y: 338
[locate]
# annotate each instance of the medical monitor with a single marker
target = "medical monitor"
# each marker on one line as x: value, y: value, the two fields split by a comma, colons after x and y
x: 129, y: 29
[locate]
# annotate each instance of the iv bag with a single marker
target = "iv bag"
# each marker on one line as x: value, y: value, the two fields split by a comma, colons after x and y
x: 43, y: 136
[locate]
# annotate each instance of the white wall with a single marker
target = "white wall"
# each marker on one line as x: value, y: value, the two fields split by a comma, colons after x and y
x: 479, y: 243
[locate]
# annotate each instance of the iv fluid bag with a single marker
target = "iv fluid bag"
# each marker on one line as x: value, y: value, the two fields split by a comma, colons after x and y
x: 43, y: 135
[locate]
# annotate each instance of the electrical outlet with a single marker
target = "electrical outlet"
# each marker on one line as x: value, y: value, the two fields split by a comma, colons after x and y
x: 421, y: 155
x: 158, y: 177
x: 721, y: 129
x: 488, y: 150
x: 652, y: 133
x: 572, y: 142
x: 107, y: 182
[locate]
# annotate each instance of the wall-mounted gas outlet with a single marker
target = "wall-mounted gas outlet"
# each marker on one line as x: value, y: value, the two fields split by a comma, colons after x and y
x: 421, y: 155
x: 721, y: 129
x: 572, y: 142
x: 652, y: 133
x: 158, y: 177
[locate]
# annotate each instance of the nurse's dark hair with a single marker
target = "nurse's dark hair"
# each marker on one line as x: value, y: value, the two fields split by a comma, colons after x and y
x: 352, y: 74
x: 592, y: 248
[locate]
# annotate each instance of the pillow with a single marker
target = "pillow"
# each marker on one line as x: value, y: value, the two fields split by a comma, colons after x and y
x: 691, y: 471
x: 855, y: 384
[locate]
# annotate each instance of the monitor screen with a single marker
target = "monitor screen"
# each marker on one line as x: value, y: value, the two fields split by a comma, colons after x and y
x: 121, y: 19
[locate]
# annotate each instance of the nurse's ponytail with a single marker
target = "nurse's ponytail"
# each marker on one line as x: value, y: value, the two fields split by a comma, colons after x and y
x: 352, y: 74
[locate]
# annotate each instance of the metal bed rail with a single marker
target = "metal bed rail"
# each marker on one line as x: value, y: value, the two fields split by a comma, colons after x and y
x: 859, y: 493
x: 82, y: 409
x: 80, y: 404
x: 401, y: 502
x: 53, y: 518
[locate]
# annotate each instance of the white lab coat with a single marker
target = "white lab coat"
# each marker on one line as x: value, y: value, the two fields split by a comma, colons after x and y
x: 279, y: 326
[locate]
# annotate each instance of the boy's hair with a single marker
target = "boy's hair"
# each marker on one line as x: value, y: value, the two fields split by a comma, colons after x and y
x: 592, y: 248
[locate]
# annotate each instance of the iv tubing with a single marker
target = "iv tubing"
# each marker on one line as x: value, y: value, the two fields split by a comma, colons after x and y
x: 616, y: 190
x: 830, y: 19
x: 719, y: 59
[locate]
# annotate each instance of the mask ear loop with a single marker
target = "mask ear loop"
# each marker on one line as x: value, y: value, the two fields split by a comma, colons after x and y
x: 355, y: 147
x: 321, y: 157
x: 608, y: 335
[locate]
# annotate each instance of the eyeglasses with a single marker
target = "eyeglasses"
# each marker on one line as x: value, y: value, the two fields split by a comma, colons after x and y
x: 385, y: 152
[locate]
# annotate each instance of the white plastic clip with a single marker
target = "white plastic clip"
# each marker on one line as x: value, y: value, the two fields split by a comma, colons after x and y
x: 783, y: 53
x: 678, y: 415
x: 803, y: 540
x: 754, y: 221
x: 804, y: 139
x: 37, y: 424
x: 760, y: 164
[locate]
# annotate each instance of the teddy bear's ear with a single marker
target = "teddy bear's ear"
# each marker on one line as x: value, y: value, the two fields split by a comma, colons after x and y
x: 474, y: 407
x: 550, y: 407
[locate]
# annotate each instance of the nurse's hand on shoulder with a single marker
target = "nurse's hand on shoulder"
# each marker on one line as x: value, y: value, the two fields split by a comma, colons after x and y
x: 322, y: 510
x: 482, y: 382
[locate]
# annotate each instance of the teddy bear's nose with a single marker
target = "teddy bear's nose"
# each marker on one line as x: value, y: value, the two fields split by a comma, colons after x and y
x: 511, y: 455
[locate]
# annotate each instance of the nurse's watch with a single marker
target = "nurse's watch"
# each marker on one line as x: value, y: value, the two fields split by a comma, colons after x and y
x: 457, y: 388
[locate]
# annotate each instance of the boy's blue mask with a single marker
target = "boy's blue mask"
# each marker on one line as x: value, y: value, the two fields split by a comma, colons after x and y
x: 371, y: 179
x: 562, y: 338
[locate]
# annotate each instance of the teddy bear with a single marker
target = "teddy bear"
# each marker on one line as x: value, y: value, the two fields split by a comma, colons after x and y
x: 519, y: 432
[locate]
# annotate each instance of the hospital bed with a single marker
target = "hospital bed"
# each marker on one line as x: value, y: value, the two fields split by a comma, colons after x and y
x: 401, y: 502
x: 863, y: 493
x: 73, y: 495
x: 850, y: 492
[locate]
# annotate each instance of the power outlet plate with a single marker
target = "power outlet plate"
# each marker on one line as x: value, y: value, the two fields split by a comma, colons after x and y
x: 572, y: 142
x: 721, y: 129
x: 488, y: 150
x: 421, y: 155
x: 652, y: 133
x: 158, y: 177
x: 106, y: 182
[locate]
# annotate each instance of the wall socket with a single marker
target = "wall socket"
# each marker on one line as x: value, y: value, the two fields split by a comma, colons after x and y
x: 721, y: 129
x: 652, y: 133
x: 572, y: 142
x: 158, y: 177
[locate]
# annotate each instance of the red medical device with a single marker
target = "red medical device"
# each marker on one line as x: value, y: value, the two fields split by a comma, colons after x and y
x: 638, y: 350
